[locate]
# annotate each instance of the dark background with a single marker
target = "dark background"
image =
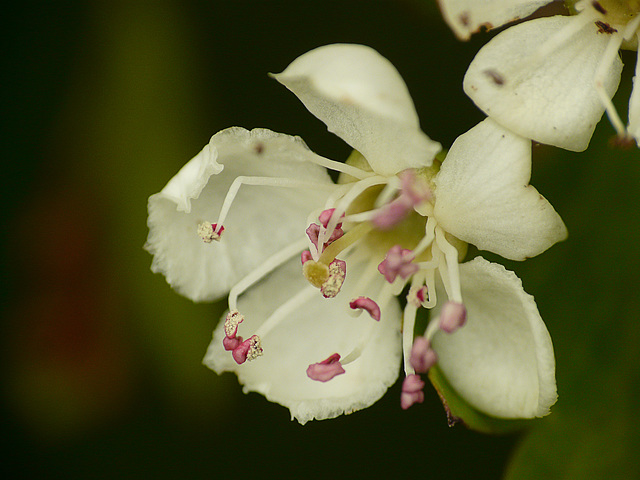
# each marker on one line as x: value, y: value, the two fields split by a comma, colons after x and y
x: 105, y: 100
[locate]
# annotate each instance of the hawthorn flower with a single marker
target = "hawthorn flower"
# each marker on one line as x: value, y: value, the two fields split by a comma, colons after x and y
x: 312, y: 268
x: 550, y: 79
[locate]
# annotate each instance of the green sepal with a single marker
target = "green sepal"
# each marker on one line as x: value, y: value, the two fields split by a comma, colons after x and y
x: 459, y: 411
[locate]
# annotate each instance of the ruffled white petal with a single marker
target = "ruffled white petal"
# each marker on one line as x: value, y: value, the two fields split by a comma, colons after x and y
x: 362, y: 98
x: 483, y: 195
x: 312, y: 332
x: 466, y: 17
x: 551, y: 99
x: 262, y: 220
x: 501, y: 361
x: 634, y: 102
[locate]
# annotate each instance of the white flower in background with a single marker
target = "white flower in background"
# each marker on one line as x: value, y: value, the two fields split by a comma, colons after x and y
x: 550, y: 79
x: 301, y: 257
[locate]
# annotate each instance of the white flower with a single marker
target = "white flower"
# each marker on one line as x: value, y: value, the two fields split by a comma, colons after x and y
x: 395, y: 216
x: 551, y: 79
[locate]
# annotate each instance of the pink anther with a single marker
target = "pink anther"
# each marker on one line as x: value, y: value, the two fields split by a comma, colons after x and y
x: 337, y: 273
x: 392, y: 213
x: 414, y: 188
x: 453, y: 316
x: 368, y: 305
x: 326, y: 369
x: 325, y: 217
x: 250, y: 349
x: 417, y: 296
x: 413, y: 192
x: 313, y: 232
x: 305, y: 256
x: 209, y: 232
x: 398, y: 262
x: 231, y: 343
x: 423, y: 357
x: 411, y: 391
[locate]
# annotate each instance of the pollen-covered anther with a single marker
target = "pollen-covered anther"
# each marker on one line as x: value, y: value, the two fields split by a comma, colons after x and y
x: 423, y: 357
x: 337, y: 273
x: 453, y: 316
x: 250, y: 349
x: 326, y: 369
x: 417, y: 296
x: 398, y: 262
x: 209, y: 232
x: 368, y: 305
x: 234, y: 318
x: 411, y: 391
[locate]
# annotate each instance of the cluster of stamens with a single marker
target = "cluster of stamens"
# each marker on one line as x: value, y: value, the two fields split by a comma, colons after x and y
x: 400, y: 197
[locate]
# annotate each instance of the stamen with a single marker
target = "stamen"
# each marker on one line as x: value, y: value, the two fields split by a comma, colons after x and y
x: 388, y: 192
x: 313, y: 232
x: 351, y: 194
x: 408, y: 326
x: 417, y: 296
x: 368, y: 305
x: 432, y: 294
x: 606, y: 61
x: 398, y: 262
x: 429, y: 235
x: 285, y: 311
x: 266, y: 182
x: 326, y: 369
x: 422, y: 357
x: 453, y: 316
x: 411, y: 391
x: 267, y: 267
x: 337, y: 273
x: 340, y: 167
x: 250, y: 349
x: 392, y: 213
x: 384, y: 298
x: 209, y: 232
x: 414, y: 192
x: 348, y: 239
x: 450, y: 277
x: 325, y: 217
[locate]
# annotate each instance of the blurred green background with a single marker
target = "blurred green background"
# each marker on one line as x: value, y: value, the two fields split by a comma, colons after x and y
x: 101, y: 361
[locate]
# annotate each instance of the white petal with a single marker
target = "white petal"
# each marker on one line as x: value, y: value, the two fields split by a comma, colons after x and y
x: 483, y: 195
x: 634, y: 102
x: 466, y: 17
x: 312, y: 332
x: 262, y: 220
x: 502, y: 360
x: 362, y: 98
x: 552, y: 100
